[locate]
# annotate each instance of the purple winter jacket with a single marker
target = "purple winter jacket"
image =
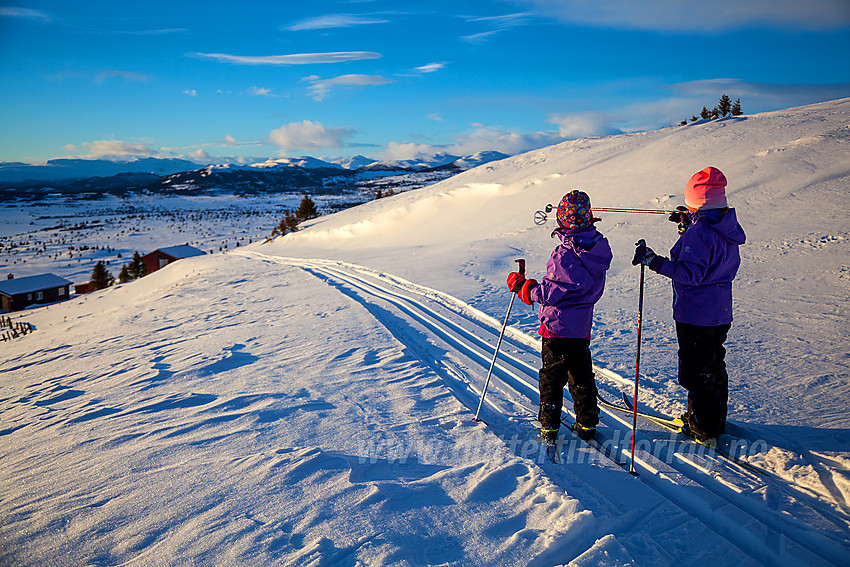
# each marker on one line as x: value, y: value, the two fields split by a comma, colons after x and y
x: 574, y: 282
x: 702, y: 265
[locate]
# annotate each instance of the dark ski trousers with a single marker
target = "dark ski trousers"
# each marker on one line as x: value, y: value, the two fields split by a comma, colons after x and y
x: 702, y: 372
x: 566, y: 362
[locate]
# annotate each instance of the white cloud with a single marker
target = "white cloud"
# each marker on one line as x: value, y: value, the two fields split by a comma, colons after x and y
x: 483, y: 139
x: 199, y: 155
x: 26, y: 14
x: 334, y: 21
x: 321, y: 88
x: 291, y: 59
x: 697, y: 17
x: 229, y: 140
x: 495, y: 24
x: 430, y: 67
x: 584, y: 124
x: 126, y: 75
x: 308, y: 135
x: 762, y: 96
x: 112, y: 149
x: 190, y: 92
x: 435, y: 117
x: 259, y: 91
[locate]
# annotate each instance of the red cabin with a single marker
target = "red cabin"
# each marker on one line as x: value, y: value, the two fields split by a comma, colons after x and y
x: 161, y: 257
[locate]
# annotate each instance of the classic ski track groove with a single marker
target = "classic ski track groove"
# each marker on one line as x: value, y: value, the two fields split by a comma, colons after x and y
x: 772, y: 525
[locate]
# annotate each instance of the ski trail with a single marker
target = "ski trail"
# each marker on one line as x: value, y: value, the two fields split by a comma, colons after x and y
x: 769, y: 520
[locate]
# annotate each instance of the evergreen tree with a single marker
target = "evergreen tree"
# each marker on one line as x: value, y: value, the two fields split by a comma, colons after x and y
x: 705, y: 115
x: 307, y: 209
x: 124, y: 275
x: 724, y: 106
x: 289, y: 223
x: 736, y: 108
x: 137, y: 266
x: 100, y: 276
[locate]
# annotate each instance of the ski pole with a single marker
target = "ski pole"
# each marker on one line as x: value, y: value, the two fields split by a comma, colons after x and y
x: 637, y: 361
x: 521, y: 263
x: 616, y: 210
x: 540, y: 217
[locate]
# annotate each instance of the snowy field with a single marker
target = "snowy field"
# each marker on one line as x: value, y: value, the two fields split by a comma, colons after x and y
x: 68, y: 236
x: 309, y: 401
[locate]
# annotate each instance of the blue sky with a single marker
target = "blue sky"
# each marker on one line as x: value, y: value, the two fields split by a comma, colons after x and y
x: 223, y: 81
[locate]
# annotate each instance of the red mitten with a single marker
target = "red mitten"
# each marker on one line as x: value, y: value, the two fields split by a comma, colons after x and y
x: 515, y: 281
x: 526, y: 288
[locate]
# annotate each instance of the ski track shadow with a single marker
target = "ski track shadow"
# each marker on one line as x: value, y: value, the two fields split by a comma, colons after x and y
x: 415, y: 344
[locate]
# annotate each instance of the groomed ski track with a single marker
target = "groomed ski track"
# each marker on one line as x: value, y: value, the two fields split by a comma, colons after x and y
x: 768, y: 519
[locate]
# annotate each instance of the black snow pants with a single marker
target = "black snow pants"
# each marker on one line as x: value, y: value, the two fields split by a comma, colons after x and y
x: 566, y: 362
x: 702, y: 372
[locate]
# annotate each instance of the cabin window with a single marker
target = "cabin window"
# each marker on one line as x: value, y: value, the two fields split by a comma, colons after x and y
x: 61, y: 291
x: 39, y: 295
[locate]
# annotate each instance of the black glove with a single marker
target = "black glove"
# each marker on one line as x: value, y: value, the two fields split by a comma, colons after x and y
x: 681, y: 218
x: 643, y: 255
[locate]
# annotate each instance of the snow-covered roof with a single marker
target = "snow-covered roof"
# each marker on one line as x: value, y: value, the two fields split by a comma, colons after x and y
x: 183, y: 251
x: 30, y: 284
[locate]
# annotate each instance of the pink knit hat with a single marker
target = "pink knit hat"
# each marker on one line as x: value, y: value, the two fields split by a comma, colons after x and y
x: 706, y: 190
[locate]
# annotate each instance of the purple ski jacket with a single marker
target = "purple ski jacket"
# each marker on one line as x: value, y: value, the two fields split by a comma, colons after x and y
x: 574, y: 282
x: 702, y: 265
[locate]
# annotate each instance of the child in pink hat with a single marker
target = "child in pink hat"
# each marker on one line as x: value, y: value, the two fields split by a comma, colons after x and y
x: 702, y: 265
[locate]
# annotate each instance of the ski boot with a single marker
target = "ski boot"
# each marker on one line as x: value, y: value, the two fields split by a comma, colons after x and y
x: 550, y: 437
x: 585, y: 432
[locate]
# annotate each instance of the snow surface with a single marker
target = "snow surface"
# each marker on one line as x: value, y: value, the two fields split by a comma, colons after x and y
x: 309, y: 401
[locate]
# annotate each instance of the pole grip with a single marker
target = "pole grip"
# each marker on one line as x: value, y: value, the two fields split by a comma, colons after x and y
x: 521, y: 262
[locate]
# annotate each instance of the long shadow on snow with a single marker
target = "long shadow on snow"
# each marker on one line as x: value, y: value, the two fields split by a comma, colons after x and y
x: 413, y: 340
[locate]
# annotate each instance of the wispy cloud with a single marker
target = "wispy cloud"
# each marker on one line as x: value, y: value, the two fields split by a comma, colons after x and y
x: 26, y: 14
x: 308, y: 135
x: 321, y: 88
x: 762, y: 95
x: 495, y: 25
x: 151, y: 32
x: 103, y: 76
x: 334, y: 21
x: 697, y: 17
x: 290, y: 59
x: 430, y: 67
x: 190, y: 92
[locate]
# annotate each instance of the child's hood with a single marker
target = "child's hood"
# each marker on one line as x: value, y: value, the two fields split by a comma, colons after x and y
x: 728, y: 228
x: 591, y: 248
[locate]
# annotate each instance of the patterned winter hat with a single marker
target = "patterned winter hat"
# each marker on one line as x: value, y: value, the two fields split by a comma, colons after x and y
x: 706, y: 190
x: 574, y: 211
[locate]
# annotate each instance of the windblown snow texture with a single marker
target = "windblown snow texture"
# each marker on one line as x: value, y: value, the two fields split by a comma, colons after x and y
x: 309, y: 401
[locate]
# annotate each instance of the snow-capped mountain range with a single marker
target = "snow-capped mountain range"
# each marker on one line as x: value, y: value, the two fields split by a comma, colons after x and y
x: 74, y: 169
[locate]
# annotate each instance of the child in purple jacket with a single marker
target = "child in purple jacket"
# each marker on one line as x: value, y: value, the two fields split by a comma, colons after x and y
x: 574, y: 282
x: 702, y: 265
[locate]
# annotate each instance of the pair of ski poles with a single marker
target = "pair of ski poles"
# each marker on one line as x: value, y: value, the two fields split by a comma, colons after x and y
x: 521, y: 263
x: 540, y: 217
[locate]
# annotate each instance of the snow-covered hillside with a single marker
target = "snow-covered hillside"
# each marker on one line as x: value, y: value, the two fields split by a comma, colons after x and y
x: 309, y: 401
